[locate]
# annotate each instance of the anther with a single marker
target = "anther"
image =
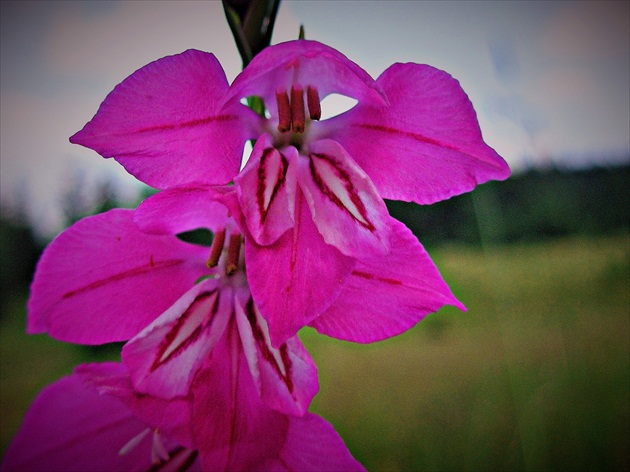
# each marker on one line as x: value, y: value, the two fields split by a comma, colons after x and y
x: 216, y: 248
x: 284, y: 110
x: 234, y: 249
x: 312, y: 99
x: 297, y: 109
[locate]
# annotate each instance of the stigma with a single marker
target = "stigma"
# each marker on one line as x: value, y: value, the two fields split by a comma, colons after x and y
x: 292, y: 109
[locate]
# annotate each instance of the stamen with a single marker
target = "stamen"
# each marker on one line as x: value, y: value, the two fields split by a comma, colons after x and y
x: 159, y: 453
x: 284, y: 110
x: 297, y: 109
x: 216, y: 248
x: 234, y: 249
x: 133, y: 442
x: 312, y: 99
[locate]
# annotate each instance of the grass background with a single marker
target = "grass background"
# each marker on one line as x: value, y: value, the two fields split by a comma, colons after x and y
x: 535, y: 376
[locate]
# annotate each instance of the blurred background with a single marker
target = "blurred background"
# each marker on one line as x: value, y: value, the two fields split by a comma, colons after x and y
x: 536, y: 374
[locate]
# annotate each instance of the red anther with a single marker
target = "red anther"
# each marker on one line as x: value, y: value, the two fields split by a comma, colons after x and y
x: 312, y: 99
x: 216, y: 249
x: 234, y: 249
x: 297, y: 109
x: 284, y: 110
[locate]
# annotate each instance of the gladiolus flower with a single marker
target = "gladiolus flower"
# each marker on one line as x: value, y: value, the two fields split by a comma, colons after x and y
x: 94, y: 420
x: 311, y: 194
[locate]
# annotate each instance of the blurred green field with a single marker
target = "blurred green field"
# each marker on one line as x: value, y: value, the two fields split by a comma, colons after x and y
x: 535, y: 376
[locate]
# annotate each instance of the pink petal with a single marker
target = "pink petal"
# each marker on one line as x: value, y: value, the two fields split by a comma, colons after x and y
x: 103, y: 280
x: 426, y: 145
x: 167, y: 126
x: 181, y: 209
x: 312, y: 444
x: 387, y: 295
x: 164, y: 357
x: 263, y: 194
x: 72, y: 428
x: 285, y: 378
x: 297, y: 278
x: 234, y: 428
x: 306, y: 63
x: 172, y: 417
x: 345, y: 205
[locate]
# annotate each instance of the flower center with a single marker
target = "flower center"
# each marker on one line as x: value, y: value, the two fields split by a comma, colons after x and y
x: 232, y: 258
x: 179, y: 458
x: 292, y: 109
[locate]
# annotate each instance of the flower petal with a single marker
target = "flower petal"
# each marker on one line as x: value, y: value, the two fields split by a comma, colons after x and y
x: 281, y: 276
x: 426, y: 145
x: 181, y: 209
x: 307, y: 63
x: 286, y: 378
x: 172, y: 417
x: 312, y: 444
x: 263, y: 191
x: 166, y: 125
x: 345, y: 206
x: 103, y: 280
x: 70, y: 427
x: 164, y: 357
x: 387, y: 295
x: 234, y: 429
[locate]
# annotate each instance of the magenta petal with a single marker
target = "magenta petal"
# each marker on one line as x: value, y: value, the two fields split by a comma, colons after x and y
x: 313, y: 445
x: 262, y: 192
x: 164, y: 357
x: 281, y: 276
x: 285, y: 378
x: 426, y: 145
x: 103, y: 280
x: 387, y: 295
x: 345, y: 205
x: 234, y: 430
x: 306, y: 63
x: 72, y: 428
x: 165, y: 123
x: 181, y: 209
x: 172, y: 417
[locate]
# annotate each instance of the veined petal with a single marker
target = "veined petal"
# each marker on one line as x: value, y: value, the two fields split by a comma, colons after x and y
x: 171, y: 417
x: 313, y: 445
x: 281, y: 276
x: 70, y: 427
x: 387, y: 295
x: 262, y: 191
x: 345, y: 206
x: 286, y: 378
x: 167, y: 126
x: 235, y: 430
x: 164, y: 357
x: 103, y: 280
x: 426, y: 145
x: 179, y: 209
x: 306, y: 63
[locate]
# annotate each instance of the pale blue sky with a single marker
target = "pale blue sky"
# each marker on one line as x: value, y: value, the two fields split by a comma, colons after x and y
x: 550, y: 80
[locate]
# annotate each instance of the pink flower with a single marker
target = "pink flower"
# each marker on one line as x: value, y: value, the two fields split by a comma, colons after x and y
x: 383, y: 295
x: 92, y: 277
x: 311, y: 194
x: 93, y: 420
x: 203, y: 372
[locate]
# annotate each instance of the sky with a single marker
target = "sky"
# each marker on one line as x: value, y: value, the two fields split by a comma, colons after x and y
x: 550, y: 81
